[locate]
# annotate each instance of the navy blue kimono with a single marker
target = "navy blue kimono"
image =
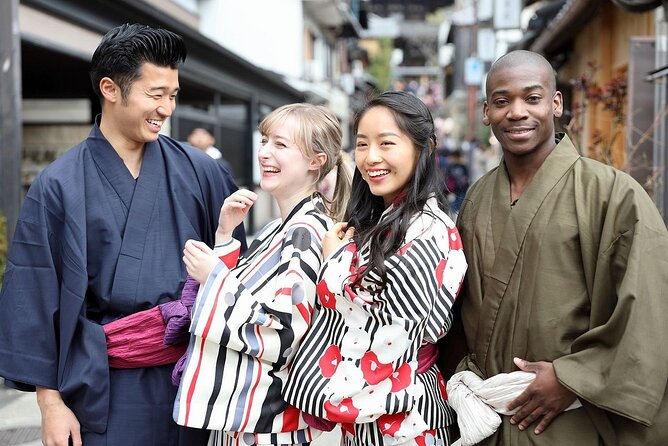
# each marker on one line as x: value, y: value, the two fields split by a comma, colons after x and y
x: 93, y: 244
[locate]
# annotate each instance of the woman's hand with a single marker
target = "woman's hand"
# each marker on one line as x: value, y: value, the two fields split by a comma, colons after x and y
x: 340, y: 234
x: 199, y: 259
x: 232, y: 213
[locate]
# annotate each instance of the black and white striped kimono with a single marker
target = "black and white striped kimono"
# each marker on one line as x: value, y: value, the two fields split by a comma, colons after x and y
x: 247, y: 322
x: 358, y: 363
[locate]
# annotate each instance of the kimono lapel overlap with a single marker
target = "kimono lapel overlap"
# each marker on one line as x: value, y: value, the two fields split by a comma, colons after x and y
x: 509, y: 229
x: 142, y: 207
x: 111, y: 166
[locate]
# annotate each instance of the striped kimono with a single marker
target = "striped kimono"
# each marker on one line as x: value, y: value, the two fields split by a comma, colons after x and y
x: 247, y: 322
x: 358, y: 364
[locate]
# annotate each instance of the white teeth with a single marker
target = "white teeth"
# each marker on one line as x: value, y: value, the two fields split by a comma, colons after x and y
x: 271, y: 169
x: 377, y: 173
x: 156, y: 123
x: 519, y: 131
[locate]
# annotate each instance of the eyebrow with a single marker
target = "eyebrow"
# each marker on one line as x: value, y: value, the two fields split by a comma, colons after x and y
x: 382, y: 135
x: 280, y: 137
x: 152, y: 89
x: 525, y: 89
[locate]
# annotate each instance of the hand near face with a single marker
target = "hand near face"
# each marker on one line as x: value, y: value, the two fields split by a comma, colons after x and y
x: 544, y: 399
x: 199, y: 260
x: 339, y: 235
x: 232, y: 213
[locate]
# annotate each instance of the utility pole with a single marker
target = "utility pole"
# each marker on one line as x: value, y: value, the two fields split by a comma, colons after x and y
x: 472, y: 89
x: 10, y: 113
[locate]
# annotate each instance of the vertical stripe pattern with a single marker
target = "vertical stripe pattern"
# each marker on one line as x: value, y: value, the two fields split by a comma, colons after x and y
x: 247, y: 323
x: 357, y: 364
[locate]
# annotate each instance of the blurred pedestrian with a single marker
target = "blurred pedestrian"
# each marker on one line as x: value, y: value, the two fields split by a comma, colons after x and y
x: 204, y: 140
x: 385, y: 291
x: 99, y: 238
x: 567, y: 278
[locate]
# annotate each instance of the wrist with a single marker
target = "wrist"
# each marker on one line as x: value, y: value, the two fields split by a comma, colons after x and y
x: 222, y: 236
x: 48, y: 397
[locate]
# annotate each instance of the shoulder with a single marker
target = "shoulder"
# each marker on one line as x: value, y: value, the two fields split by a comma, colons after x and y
x: 206, y: 168
x: 431, y: 222
x: 312, y: 220
x: 59, y: 176
x: 478, y: 186
x: 617, y: 196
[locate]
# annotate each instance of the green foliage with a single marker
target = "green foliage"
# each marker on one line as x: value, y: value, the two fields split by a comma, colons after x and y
x: 379, y: 66
x: 3, y: 245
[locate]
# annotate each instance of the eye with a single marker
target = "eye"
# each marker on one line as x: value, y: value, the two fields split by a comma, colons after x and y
x: 387, y: 143
x: 500, y: 102
x: 533, y: 99
x: 360, y: 145
x: 264, y: 140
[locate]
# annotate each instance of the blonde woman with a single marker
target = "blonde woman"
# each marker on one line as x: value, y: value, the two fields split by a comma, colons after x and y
x: 253, y: 310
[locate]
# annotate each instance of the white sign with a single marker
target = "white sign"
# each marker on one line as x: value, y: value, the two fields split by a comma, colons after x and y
x: 507, y: 14
x: 474, y: 71
x: 486, y: 44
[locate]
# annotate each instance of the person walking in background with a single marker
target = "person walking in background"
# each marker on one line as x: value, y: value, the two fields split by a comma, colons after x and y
x: 252, y: 311
x: 99, y: 238
x: 567, y: 279
x: 204, y: 140
x: 385, y: 291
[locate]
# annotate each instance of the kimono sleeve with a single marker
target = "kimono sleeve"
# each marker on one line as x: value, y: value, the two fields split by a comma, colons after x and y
x: 621, y: 364
x: 268, y: 321
x: 30, y: 301
x: 371, y: 372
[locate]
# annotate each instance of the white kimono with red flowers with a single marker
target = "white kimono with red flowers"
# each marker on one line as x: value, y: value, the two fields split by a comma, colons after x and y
x: 357, y: 364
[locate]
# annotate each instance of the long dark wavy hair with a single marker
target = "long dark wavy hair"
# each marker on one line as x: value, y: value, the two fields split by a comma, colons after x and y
x: 364, y: 209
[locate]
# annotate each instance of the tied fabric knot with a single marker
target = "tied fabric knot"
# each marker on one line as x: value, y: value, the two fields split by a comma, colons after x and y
x: 176, y: 313
x: 136, y: 341
x: 479, y: 402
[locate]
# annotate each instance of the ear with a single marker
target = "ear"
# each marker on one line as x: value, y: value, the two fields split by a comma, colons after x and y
x: 557, y: 104
x: 317, y: 162
x: 485, y: 118
x: 110, y: 90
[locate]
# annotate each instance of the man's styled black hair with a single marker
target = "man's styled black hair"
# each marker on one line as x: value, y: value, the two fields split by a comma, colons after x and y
x: 125, y: 48
x: 364, y: 209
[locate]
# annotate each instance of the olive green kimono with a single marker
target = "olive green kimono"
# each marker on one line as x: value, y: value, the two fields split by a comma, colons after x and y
x: 575, y: 273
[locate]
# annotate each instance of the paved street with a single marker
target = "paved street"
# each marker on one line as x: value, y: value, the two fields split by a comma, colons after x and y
x: 20, y: 420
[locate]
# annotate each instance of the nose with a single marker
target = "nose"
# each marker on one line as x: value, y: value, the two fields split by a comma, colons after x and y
x: 263, y: 152
x: 166, y: 106
x: 373, y: 155
x: 517, y: 110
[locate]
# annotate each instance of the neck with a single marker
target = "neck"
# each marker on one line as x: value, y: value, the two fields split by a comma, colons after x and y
x: 287, y: 204
x: 132, y: 153
x: 521, y: 169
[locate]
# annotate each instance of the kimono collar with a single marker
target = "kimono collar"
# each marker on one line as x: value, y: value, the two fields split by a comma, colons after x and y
x: 313, y: 201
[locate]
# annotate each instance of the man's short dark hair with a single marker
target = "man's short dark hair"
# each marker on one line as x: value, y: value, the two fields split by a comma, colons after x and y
x: 125, y: 48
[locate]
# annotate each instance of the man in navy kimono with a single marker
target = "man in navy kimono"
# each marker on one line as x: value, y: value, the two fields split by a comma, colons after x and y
x: 100, y: 237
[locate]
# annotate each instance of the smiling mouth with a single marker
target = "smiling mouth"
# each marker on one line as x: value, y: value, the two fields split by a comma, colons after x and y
x: 270, y: 170
x: 155, y: 123
x: 377, y: 173
x: 518, y: 131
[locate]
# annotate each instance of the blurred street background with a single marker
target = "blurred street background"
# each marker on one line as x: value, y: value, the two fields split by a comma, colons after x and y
x: 246, y: 58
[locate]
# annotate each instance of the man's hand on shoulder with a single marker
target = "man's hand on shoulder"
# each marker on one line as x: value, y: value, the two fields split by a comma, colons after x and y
x: 544, y: 399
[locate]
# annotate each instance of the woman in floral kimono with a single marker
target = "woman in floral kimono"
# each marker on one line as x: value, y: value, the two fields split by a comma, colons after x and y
x: 252, y: 311
x: 385, y: 290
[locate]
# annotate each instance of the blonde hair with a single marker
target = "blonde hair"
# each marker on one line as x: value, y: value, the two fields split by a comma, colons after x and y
x: 316, y: 130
